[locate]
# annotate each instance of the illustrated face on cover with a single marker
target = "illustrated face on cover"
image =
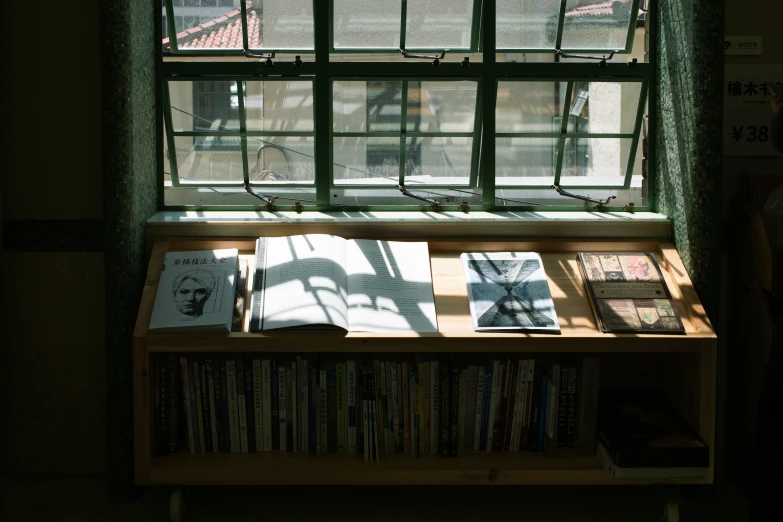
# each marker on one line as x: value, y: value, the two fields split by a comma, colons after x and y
x: 638, y: 268
x: 192, y: 290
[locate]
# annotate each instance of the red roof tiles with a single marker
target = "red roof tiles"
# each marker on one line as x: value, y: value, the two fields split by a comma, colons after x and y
x: 224, y: 32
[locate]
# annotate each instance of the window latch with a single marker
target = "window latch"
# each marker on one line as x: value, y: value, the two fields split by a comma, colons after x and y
x: 601, y: 62
x: 269, y: 200
x: 267, y: 58
x: 435, y: 58
x: 600, y: 205
x: 434, y: 205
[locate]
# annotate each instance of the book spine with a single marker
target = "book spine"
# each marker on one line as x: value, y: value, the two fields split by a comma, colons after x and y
x: 463, y: 407
x: 519, y: 404
x: 250, y: 411
x: 331, y: 407
x: 266, y: 404
x: 497, y: 374
x: 258, y: 406
x: 257, y: 300
x: 233, y: 406
x: 497, y: 429
x: 341, y: 435
x: 379, y: 377
x: 391, y: 446
x: 161, y: 406
x: 375, y: 421
x: 542, y: 412
x: 400, y: 424
x: 587, y: 418
x: 215, y: 446
x: 323, y: 412
x: 485, y: 407
x: 274, y: 388
x: 294, y: 396
x: 434, y: 406
x: 282, y: 408
x: 241, y: 405
x: 304, y: 404
x: 203, y: 402
x: 454, y: 410
x: 421, y: 432
x: 174, y: 384
x: 529, y: 405
x: 444, y: 421
x: 290, y: 406
x: 186, y: 403
x: 564, y: 397
x: 199, y: 406
x: 511, y: 402
x: 553, y: 407
x: 395, y: 407
x: 350, y: 368
x: 224, y: 410
x: 313, y: 420
x: 413, y: 397
x: 363, y: 394
x: 406, y: 411
x: 218, y: 387
x: 478, y: 412
x: 194, y: 409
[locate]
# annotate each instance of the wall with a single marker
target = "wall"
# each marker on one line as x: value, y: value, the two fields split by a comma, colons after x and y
x: 52, y: 365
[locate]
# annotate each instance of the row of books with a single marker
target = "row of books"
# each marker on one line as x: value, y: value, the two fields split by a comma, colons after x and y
x: 372, y: 407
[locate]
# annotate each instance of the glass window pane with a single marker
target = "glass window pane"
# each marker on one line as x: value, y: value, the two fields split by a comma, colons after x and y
x: 201, y: 25
x: 438, y: 160
x: 439, y: 24
x: 367, y: 24
x: 604, y: 107
x: 527, y: 24
x: 366, y: 160
x: 529, y: 106
x: 281, y: 159
x: 595, y: 161
x: 602, y: 25
x: 367, y: 106
x: 204, y: 106
x: 525, y: 161
x: 204, y: 159
x: 279, y: 105
x: 280, y: 24
x: 441, y: 106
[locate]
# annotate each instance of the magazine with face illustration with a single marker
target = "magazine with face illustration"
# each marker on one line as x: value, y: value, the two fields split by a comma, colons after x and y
x: 196, y: 291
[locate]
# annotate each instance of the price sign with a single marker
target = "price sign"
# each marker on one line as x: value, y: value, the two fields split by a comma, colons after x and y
x: 746, y: 109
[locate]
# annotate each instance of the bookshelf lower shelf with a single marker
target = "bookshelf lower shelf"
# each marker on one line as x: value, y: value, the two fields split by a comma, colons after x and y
x: 472, y: 468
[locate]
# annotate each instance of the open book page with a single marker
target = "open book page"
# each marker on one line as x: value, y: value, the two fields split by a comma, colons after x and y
x: 509, y: 291
x: 305, y: 282
x: 390, y: 287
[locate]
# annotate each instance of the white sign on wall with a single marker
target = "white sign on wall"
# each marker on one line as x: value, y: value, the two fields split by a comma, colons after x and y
x: 746, y: 108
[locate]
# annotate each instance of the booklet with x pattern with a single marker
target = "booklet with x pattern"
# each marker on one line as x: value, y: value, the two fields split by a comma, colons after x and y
x: 628, y: 293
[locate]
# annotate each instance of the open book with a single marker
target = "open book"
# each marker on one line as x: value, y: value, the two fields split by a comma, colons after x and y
x: 354, y: 284
x: 509, y: 291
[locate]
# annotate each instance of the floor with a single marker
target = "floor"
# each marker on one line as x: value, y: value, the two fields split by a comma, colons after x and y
x: 83, y: 499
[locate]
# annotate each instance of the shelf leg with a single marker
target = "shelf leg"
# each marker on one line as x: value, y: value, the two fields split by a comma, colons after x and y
x: 177, y: 505
x: 671, y: 512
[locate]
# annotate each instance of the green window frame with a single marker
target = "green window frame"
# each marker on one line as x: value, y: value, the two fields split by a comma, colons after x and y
x: 484, y: 186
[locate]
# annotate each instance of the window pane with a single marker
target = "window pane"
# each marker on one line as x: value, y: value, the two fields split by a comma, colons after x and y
x: 440, y: 24
x: 601, y: 25
x: 595, y: 161
x: 281, y: 24
x: 204, y: 106
x: 367, y: 24
x: 366, y: 160
x: 604, y: 107
x: 208, y: 26
x: 281, y: 159
x: 441, y: 106
x: 527, y: 24
x: 371, y: 106
x: 529, y: 106
x: 279, y: 105
x: 525, y: 161
x: 204, y: 159
x: 438, y: 160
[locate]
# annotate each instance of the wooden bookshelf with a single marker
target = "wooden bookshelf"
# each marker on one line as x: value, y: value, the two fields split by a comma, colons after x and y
x: 686, y: 363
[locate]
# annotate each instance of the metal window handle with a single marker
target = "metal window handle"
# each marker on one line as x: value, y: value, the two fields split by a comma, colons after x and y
x: 601, y: 63
x: 435, y: 58
x: 600, y: 206
x: 267, y: 58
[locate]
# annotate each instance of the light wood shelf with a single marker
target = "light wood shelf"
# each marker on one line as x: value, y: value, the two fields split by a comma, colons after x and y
x: 692, y: 388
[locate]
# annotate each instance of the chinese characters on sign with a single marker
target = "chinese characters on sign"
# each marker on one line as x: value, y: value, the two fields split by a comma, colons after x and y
x: 742, y: 45
x: 746, y: 108
x: 203, y: 261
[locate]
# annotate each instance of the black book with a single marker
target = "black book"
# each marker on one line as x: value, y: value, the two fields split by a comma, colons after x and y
x: 206, y: 418
x: 312, y: 420
x: 485, y: 408
x: 331, y: 410
x: 213, y: 377
x: 250, y: 411
x: 275, y: 405
x: 454, y: 411
x: 535, y: 414
x: 226, y: 445
x: 641, y: 429
x: 360, y: 394
x: 566, y: 419
x: 162, y: 436
x: 444, y: 422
